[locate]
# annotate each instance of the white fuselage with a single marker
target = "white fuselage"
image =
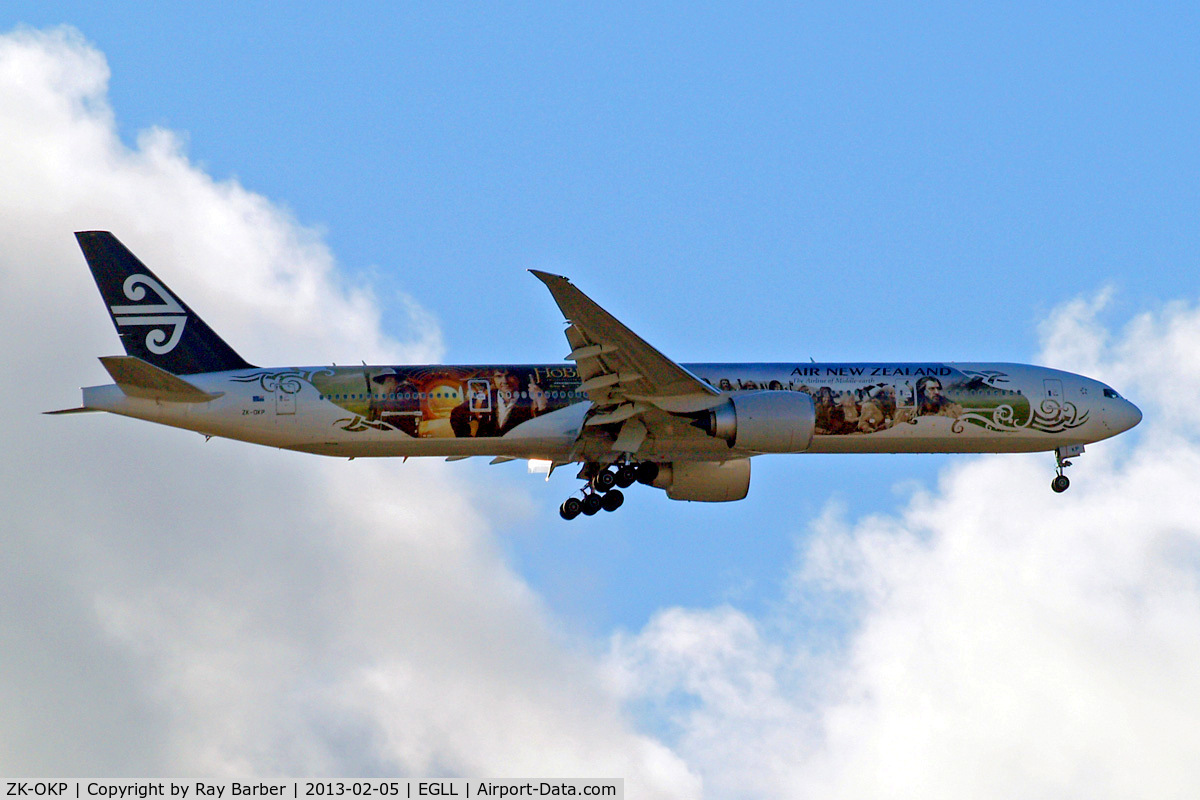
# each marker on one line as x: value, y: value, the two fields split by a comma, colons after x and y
x: 447, y: 410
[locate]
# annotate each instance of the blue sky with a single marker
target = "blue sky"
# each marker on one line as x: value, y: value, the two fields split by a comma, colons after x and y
x: 771, y: 183
x: 833, y: 177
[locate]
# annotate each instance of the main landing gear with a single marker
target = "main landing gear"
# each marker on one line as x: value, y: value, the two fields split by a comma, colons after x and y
x: 1061, y: 482
x: 603, y: 487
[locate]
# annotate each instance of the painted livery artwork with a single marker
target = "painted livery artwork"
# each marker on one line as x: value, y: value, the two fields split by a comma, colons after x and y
x: 438, y: 402
x: 848, y: 399
x: 854, y: 399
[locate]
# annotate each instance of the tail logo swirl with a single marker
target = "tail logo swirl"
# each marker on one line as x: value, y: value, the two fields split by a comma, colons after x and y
x: 166, y: 314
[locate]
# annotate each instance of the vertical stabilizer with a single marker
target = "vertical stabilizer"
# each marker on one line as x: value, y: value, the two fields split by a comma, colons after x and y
x: 153, y: 323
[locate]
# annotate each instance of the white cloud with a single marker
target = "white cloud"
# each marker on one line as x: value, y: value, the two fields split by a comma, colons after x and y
x: 180, y: 608
x: 1004, y: 641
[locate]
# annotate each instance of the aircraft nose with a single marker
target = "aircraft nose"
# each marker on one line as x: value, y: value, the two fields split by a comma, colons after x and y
x: 1125, y: 415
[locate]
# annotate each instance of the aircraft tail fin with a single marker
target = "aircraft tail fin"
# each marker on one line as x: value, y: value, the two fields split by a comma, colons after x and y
x: 155, y: 326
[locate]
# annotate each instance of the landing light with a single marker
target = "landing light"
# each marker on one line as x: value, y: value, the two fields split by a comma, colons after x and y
x: 539, y: 467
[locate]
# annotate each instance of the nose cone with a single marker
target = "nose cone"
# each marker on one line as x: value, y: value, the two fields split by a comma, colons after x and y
x: 1124, y: 415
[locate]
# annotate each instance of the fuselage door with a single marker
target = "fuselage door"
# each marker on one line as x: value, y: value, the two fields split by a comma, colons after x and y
x: 285, y: 402
x: 1054, y: 389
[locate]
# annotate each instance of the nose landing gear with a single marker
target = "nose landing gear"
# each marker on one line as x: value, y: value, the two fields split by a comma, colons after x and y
x: 1061, y: 482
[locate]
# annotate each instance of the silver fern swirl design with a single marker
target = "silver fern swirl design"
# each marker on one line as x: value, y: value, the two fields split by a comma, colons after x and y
x: 358, y: 423
x: 1050, y: 416
x: 288, y: 381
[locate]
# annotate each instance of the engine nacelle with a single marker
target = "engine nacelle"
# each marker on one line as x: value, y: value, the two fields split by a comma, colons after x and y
x: 763, y: 422
x: 705, y: 481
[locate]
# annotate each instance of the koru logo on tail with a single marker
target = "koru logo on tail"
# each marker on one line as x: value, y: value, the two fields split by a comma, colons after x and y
x: 166, y: 313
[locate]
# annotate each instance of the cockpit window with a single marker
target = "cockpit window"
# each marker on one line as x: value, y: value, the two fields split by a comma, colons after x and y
x: 1110, y: 393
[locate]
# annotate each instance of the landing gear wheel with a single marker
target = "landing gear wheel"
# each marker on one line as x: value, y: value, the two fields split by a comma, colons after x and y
x: 1061, y: 454
x: 626, y: 476
x: 647, y: 471
x: 592, y: 503
x: 570, y: 508
x: 604, y: 480
x: 612, y: 500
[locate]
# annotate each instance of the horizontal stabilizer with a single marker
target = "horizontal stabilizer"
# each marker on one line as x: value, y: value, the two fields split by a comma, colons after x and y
x: 138, y: 378
x: 80, y: 410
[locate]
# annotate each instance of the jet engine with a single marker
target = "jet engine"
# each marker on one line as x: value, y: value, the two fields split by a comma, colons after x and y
x: 762, y: 422
x: 704, y: 481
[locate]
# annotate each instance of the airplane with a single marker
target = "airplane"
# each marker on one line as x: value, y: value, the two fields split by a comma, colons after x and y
x: 616, y: 405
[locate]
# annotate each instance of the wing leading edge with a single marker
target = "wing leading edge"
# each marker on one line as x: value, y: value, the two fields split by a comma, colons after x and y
x: 627, y: 379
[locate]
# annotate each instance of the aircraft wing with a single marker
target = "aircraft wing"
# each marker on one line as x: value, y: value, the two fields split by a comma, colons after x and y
x: 626, y: 379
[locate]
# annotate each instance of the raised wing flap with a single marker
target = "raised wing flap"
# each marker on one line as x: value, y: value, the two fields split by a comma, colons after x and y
x: 613, y: 361
x: 589, y: 351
